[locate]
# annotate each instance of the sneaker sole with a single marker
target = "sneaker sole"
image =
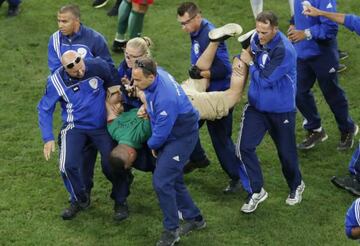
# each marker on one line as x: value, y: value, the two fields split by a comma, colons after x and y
x: 230, y: 29
x: 260, y: 201
x: 245, y: 36
x: 195, y: 229
x: 101, y: 5
x: 337, y: 184
x: 353, y: 191
x: 313, y: 145
x: 293, y: 202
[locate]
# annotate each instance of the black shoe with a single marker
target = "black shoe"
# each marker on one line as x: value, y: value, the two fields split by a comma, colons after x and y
x: 343, y: 55
x: 233, y: 187
x: 341, y: 68
x: 353, y: 186
x: 121, y: 211
x: 342, y: 182
x: 99, y: 3
x: 118, y: 46
x: 246, y: 38
x: 115, y: 9
x: 168, y: 238
x: 192, y: 225
x: 13, y: 11
x: 312, y: 139
x: 192, y: 165
x: 347, y: 139
x: 70, y: 212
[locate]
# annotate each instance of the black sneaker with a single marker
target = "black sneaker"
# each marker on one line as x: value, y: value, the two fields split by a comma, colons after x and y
x: 115, y: 9
x: 99, y: 3
x: 121, y: 211
x: 347, y: 139
x: 118, y: 46
x: 246, y: 38
x: 353, y: 186
x: 341, y: 68
x: 342, y: 182
x: 191, y: 225
x: 192, y: 165
x: 233, y: 187
x: 343, y: 55
x: 169, y: 238
x: 312, y: 139
x: 70, y: 212
x: 13, y: 11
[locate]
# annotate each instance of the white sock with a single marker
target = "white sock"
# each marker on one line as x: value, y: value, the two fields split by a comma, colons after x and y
x: 256, y: 6
x: 291, y: 4
x: 317, y: 130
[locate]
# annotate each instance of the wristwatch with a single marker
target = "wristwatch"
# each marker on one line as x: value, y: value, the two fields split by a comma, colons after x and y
x: 308, y: 34
x: 251, y: 63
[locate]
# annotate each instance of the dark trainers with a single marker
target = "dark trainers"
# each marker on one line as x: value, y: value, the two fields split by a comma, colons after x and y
x: 347, y: 139
x: 121, y: 211
x: 295, y: 197
x: 233, y: 187
x: 341, y: 68
x: 343, y: 55
x: 13, y: 11
x: 222, y: 33
x: 353, y: 186
x: 191, y: 225
x: 169, y: 238
x: 192, y: 165
x: 114, y: 10
x: 75, y: 207
x: 312, y: 139
x: 99, y: 3
x: 342, y: 182
x: 118, y: 46
x: 246, y: 38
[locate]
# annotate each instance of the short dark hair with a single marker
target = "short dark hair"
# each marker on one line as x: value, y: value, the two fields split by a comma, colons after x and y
x: 268, y: 17
x: 147, y: 65
x: 72, y: 8
x: 191, y: 8
x: 116, y: 161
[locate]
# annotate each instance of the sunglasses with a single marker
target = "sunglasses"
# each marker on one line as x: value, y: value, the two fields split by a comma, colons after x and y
x: 72, y: 64
x: 184, y: 23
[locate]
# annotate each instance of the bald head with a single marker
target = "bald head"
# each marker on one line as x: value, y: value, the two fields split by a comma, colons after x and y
x: 73, y: 64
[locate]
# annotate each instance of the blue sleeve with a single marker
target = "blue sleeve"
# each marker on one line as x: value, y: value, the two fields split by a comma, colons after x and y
x: 53, y: 58
x: 352, y: 22
x: 165, y: 111
x: 46, y: 109
x: 325, y: 29
x: 276, y: 68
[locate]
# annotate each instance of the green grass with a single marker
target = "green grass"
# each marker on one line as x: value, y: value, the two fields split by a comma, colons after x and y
x: 32, y: 195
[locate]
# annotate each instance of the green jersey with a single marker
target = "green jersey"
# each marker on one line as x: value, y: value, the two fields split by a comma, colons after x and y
x: 129, y: 129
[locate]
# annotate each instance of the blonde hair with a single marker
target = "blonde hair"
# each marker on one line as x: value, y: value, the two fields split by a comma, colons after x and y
x: 142, y: 44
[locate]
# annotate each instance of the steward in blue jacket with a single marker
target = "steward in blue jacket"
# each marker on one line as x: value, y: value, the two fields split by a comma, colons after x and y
x: 316, y: 46
x: 174, y: 124
x: 271, y: 108
x: 80, y: 88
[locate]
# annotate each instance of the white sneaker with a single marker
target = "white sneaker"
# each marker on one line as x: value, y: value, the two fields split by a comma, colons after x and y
x: 246, y: 38
x: 253, y: 201
x: 222, y: 33
x: 295, y: 197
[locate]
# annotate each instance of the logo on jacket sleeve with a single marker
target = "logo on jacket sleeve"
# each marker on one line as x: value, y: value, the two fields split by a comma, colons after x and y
x: 176, y: 158
x: 329, y: 6
x: 93, y: 83
x: 163, y: 113
x: 82, y: 52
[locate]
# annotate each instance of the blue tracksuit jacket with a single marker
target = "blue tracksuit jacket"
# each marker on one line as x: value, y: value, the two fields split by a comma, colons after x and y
x: 221, y: 66
x: 322, y: 29
x: 273, y: 75
x: 82, y: 100
x: 352, y: 22
x: 352, y: 218
x: 167, y: 108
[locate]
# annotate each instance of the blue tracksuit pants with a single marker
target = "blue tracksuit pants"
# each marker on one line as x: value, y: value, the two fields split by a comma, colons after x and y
x: 169, y: 183
x: 220, y: 133
x: 323, y: 69
x: 72, y: 142
x: 354, y: 165
x: 281, y: 127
